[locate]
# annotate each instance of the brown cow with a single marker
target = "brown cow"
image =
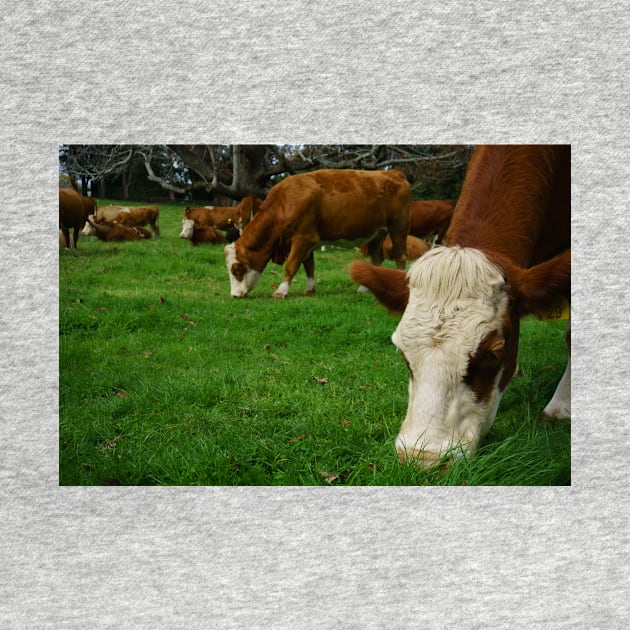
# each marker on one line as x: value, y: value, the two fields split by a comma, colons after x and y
x: 219, y: 217
x: 416, y: 247
x: 321, y: 206
x: 507, y: 254
x: 111, y: 231
x: 72, y: 214
x: 430, y: 217
x: 139, y: 216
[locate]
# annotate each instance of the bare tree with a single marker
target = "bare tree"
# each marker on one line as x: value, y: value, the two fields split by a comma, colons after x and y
x: 239, y: 170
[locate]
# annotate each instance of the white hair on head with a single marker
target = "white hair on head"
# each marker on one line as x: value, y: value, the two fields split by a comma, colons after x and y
x: 453, y: 274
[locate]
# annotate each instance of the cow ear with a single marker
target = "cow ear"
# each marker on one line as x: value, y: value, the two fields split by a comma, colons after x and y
x: 543, y: 285
x: 389, y: 286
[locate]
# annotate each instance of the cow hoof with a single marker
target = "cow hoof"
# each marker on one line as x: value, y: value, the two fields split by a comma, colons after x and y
x: 309, y: 292
x: 278, y: 296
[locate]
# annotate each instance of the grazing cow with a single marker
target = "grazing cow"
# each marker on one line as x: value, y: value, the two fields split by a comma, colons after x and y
x: 72, y: 214
x: 416, y: 247
x: 321, y: 206
x: 110, y: 231
x: 139, y: 216
x: 430, y: 217
x: 507, y: 254
x: 218, y: 217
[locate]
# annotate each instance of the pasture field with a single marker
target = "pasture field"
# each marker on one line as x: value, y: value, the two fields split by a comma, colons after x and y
x: 167, y: 380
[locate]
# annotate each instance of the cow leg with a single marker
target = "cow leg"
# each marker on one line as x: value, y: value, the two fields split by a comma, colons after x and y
x: 309, y: 268
x: 560, y: 404
x: 155, y: 228
x: 375, y: 249
x: 299, y: 252
x: 398, y: 234
x: 66, y: 237
x: 76, y: 236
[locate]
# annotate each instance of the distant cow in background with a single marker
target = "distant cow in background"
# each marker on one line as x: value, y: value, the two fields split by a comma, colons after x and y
x: 224, y: 218
x: 72, y: 214
x: 416, y: 247
x: 139, y: 216
x: 430, y: 217
x: 131, y: 216
x: 110, y: 231
x: 207, y: 234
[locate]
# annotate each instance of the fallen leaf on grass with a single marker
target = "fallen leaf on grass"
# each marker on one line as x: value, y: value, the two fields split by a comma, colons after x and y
x: 321, y: 381
x: 328, y: 477
x: 122, y: 394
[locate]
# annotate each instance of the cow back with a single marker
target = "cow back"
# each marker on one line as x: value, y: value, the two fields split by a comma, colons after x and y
x: 515, y: 203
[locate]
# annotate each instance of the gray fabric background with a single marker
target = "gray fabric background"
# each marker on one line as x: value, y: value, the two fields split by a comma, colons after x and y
x: 415, y: 72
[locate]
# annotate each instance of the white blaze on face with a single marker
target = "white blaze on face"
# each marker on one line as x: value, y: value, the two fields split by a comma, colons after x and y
x: 243, y: 279
x: 88, y: 228
x: 188, y: 228
x: 457, y: 303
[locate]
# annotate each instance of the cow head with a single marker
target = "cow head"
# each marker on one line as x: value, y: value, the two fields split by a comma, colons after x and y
x: 188, y: 228
x: 88, y: 228
x: 459, y: 338
x: 243, y: 278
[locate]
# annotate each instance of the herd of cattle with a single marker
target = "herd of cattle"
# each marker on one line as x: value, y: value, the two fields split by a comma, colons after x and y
x: 506, y: 252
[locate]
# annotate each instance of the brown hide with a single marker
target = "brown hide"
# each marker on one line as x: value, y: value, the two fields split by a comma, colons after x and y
x: 117, y: 232
x: 430, y: 217
x: 108, y: 213
x: 72, y: 215
x: 515, y: 205
x: 326, y: 205
x: 416, y: 247
x: 207, y: 234
x: 140, y: 216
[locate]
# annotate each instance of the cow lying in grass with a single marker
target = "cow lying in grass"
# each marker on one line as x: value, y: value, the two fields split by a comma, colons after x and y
x: 111, y: 231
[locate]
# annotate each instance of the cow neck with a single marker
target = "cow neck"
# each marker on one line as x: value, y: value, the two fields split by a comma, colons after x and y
x: 255, y: 244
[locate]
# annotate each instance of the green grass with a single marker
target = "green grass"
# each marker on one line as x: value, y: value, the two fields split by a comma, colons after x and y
x: 166, y: 379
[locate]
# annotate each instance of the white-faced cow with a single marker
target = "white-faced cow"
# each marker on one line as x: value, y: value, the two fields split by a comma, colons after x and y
x: 507, y: 254
x: 430, y: 217
x: 112, y: 231
x: 321, y: 206
x: 72, y: 214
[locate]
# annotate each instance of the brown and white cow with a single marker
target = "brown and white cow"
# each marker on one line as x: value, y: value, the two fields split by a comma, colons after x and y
x: 72, y: 214
x: 218, y: 217
x: 416, y: 247
x: 430, y: 217
x: 507, y: 254
x: 327, y: 205
x: 112, y: 231
x: 139, y: 216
